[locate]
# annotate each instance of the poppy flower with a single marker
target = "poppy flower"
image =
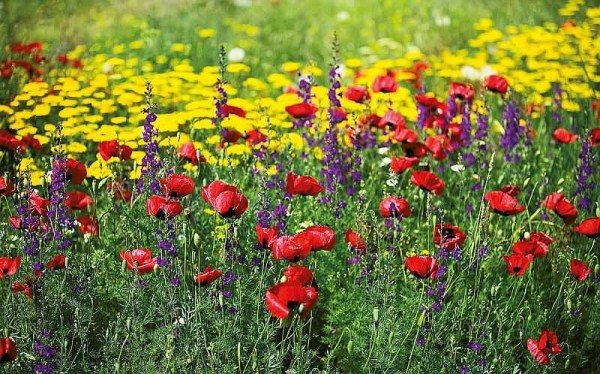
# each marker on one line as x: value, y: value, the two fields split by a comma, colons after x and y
x: 76, y: 171
x: 403, y: 135
x: 119, y: 191
x: 227, y: 109
x: 589, y: 227
x: 561, y: 135
x: 428, y: 181
x: 547, y: 345
x: 393, y: 206
x: 9, y: 142
x: 38, y: 205
x: 355, y: 240
x: 435, y: 145
x: 31, y: 142
x: 517, y: 264
x: 496, y: 83
x: 530, y: 247
x: 298, y: 274
x: 320, y: 237
x: 385, y: 83
x: 57, y: 262
x: 401, y: 164
x: 512, y: 190
x: 432, y: 104
x: 358, y: 94
x: 558, y: 203
x: 370, y: 119
x: 264, y: 235
x: 163, y: 208
x: 88, y: 225
x: 111, y: 148
x: 78, y: 200
x: 283, y: 297
x: 303, y: 185
x: 229, y: 136
x: 415, y: 149
x: 187, y: 151
x: 448, y: 236
x: 254, y: 136
x: 462, y: 91
x: 207, y: 276
x: 541, y: 237
x: 503, y: 203
x: 9, y: 266
x: 579, y: 269
x: 6, y: 188
x: 422, y: 266
x: 226, y: 199
x: 392, y: 119
x: 291, y: 247
x: 8, y: 350
x: 301, y: 110
x: 140, y: 259
x: 26, y: 288
x: 595, y: 137
x: 177, y: 185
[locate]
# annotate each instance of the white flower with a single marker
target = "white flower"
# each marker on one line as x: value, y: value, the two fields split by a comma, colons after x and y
x: 457, y: 168
x: 342, y: 16
x: 242, y: 3
x: 382, y: 150
x: 385, y: 161
x: 236, y: 55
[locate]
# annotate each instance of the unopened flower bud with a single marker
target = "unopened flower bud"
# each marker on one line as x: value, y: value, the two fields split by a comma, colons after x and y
x: 350, y: 346
x: 375, y: 315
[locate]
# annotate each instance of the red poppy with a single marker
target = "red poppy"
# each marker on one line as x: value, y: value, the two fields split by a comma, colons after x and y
x: 78, y: 200
x: 428, y: 181
x: 290, y: 295
x: 177, y: 185
x: 303, y: 185
x: 496, y: 83
x: 434, y: 106
x: 385, y: 83
x: 38, y: 205
x: 517, y: 264
x: 120, y: 192
x: 88, y: 225
x: 401, y: 164
x: 139, y: 260
x: 298, y: 274
x: 229, y: 136
x: 9, y: 266
x: 404, y: 135
x: 502, y: 203
x: 264, y: 235
x: 226, y: 199
x: 9, y: 142
x: 188, y: 152
x: 207, y: 276
x: 358, y: 94
x: 448, y: 236
x: 26, y: 288
x: 462, y: 91
x: 392, y: 119
x: 394, y: 206
x: 111, y: 148
x: 435, y: 145
x: 320, y: 237
x: 6, y: 188
x: 31, y: 142
x: 254, y: 136
x: 558, y: 203
x: 530, y: 247
x: 595, y: 137
x: 163, y: 208
x: 230, y: 109
x: 589, y: 227
x: 512, y: 190
x: 422, y: 266
x: 290, y: 247
x: 547, y: 345
x: 579, y: 269
x: 301, y: 110
x: 541, y: 237
x: 415, y: 149
x: 76, y: 171
x: 370, y: 119
x: 8, y: 350
x: 355, y: 240
x: 57, y: 262
x: 561, y: 135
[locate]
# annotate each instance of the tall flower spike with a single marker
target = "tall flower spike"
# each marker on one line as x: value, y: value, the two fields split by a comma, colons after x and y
x: 151, y: 164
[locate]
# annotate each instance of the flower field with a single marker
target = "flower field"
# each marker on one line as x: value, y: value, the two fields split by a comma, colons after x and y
x: 207, y: 204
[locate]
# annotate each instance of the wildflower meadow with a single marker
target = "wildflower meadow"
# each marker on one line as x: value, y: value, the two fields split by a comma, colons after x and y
x: 263, y: 186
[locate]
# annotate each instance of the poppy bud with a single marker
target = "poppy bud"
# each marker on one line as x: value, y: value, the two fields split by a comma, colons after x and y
x: 196, y: 239
x: 598, y: 211
x: 221, y: 300
x: 569, y: 304
x: 421, y: 320
x: 375, y: 315
x: 526, y: 182
x: 597, y: 268
x: 476, y: 177
x: 128, y: 323
x: 155, y: 267
x: 561, y: 181
x: 349, y: 347
x: 391, y: 338
x: 66, y: 262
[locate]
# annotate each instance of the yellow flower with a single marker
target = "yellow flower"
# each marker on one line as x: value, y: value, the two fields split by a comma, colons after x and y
x: 206, y: 33
x: 238, y: 68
